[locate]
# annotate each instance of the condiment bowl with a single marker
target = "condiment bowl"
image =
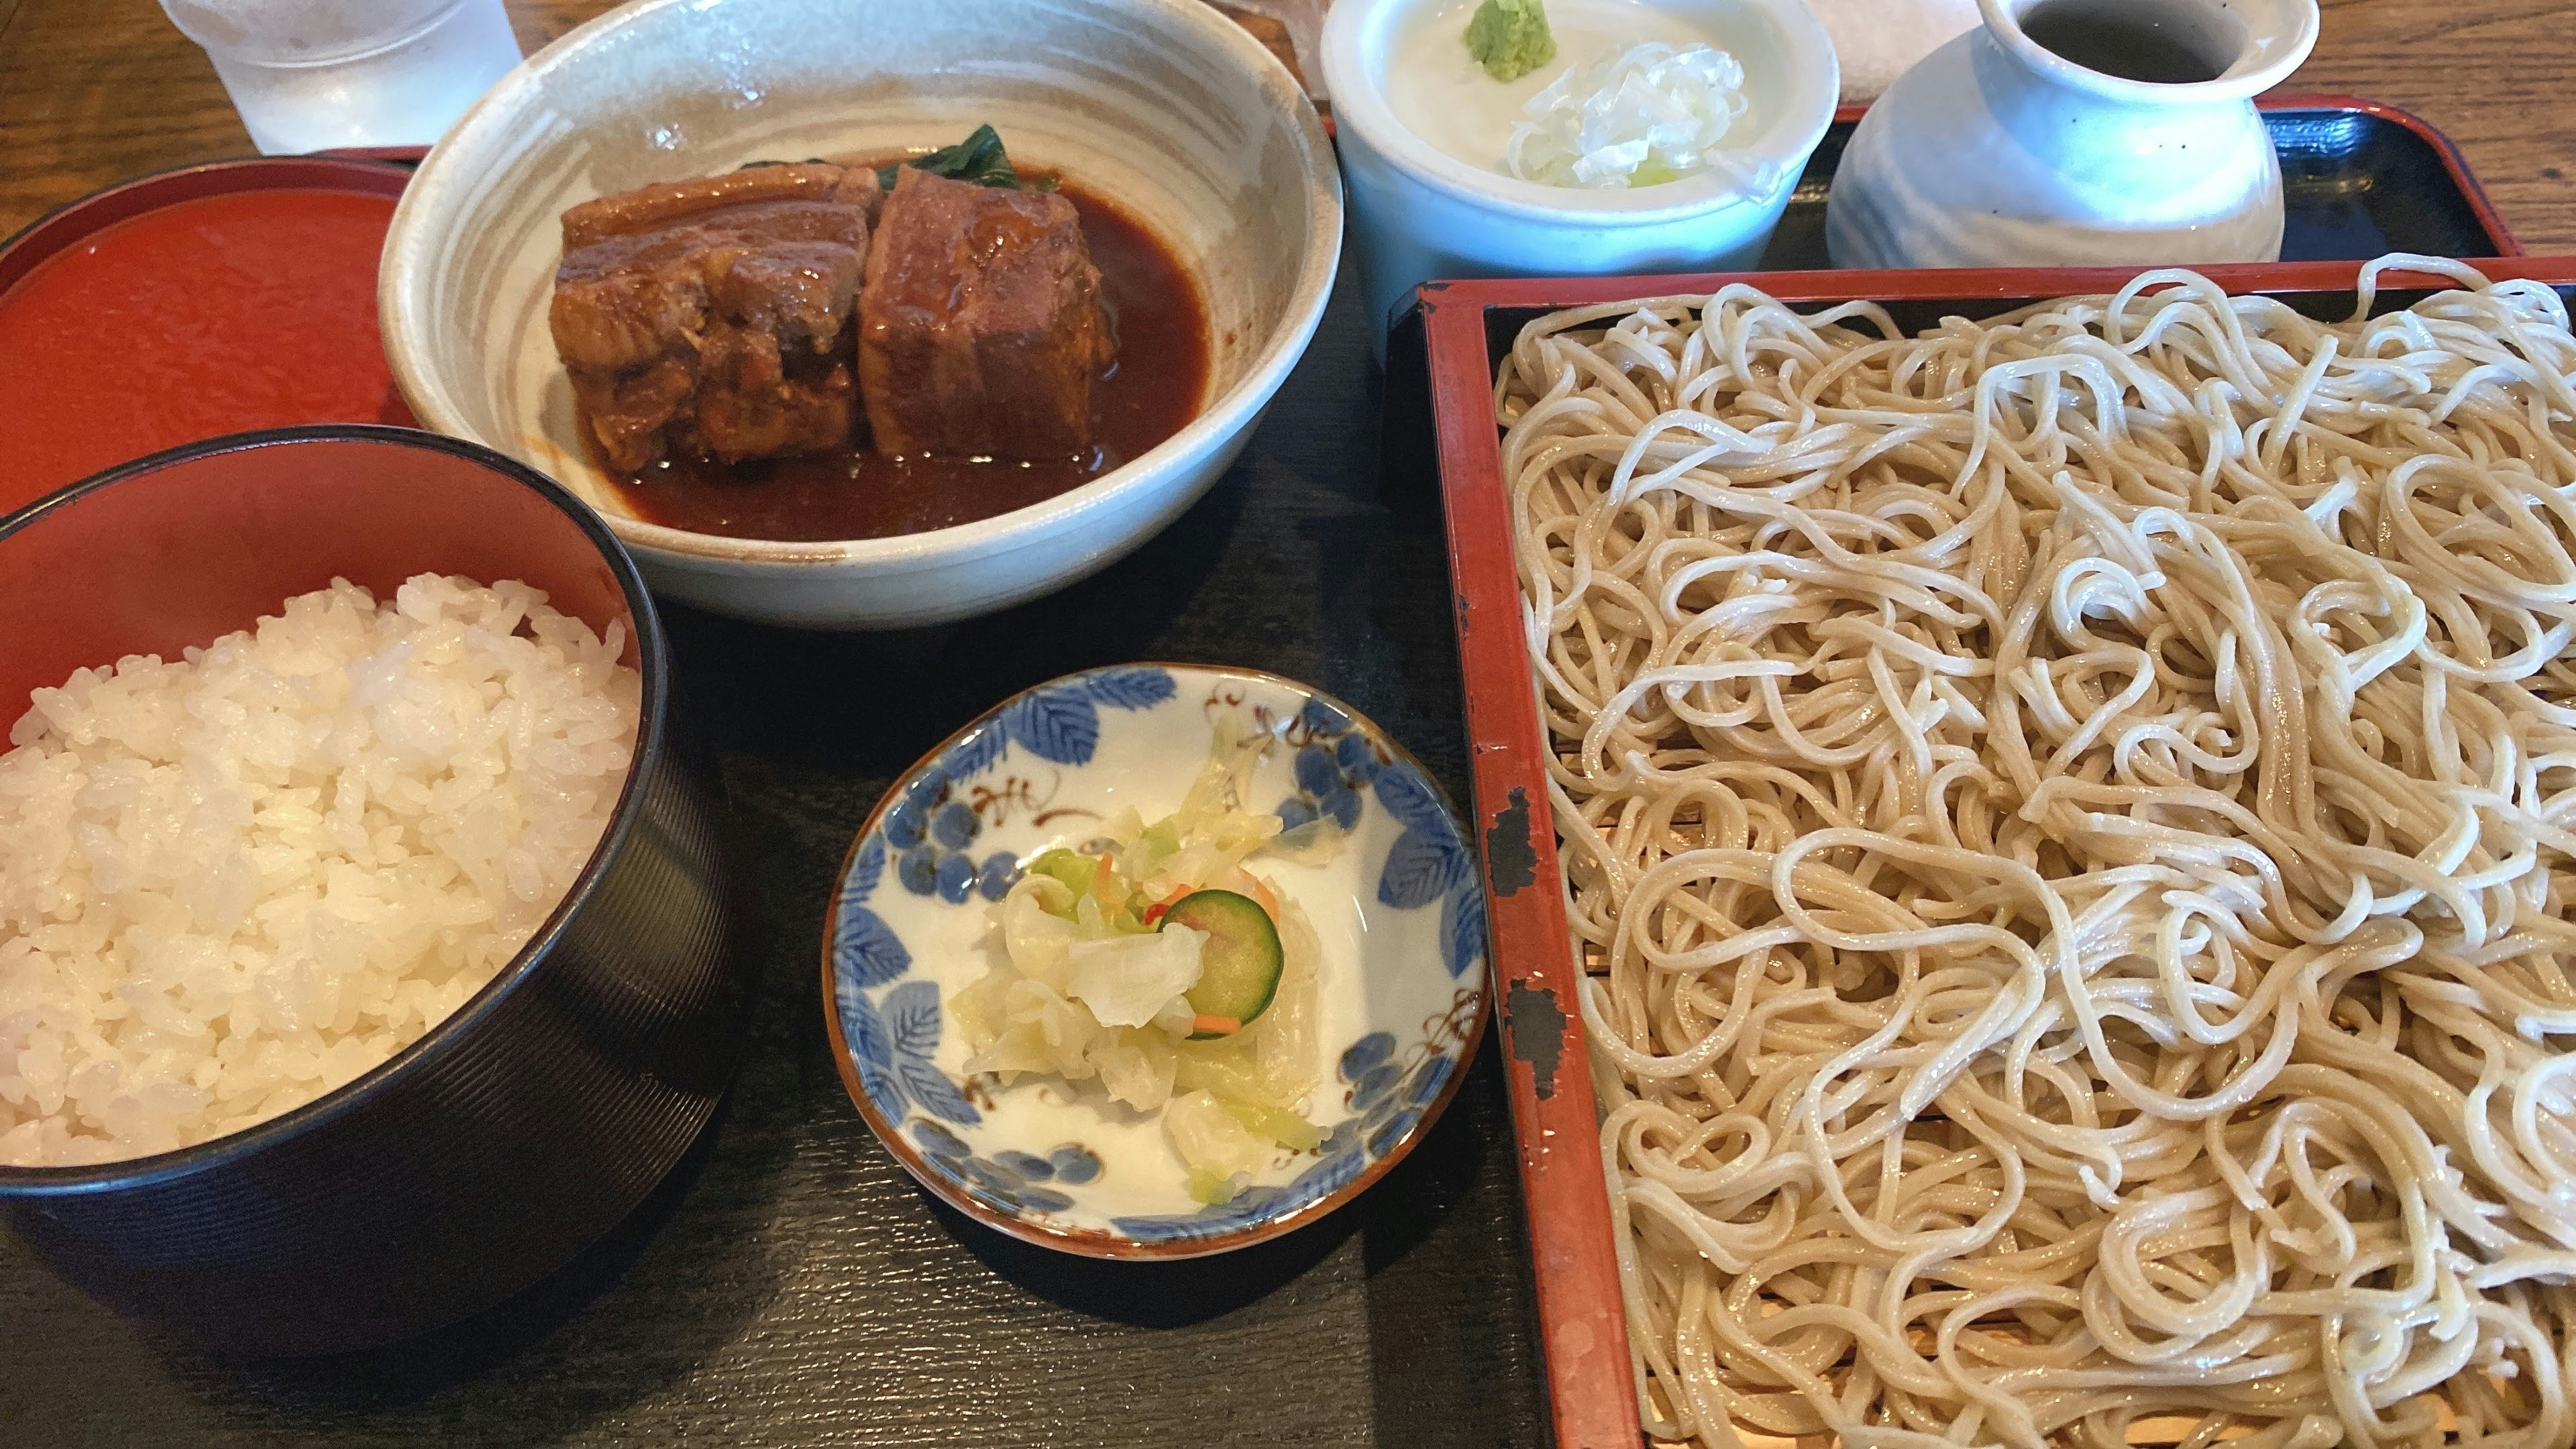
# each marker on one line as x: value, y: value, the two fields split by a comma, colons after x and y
x: 1422, y: 213
x: 493, y: 1149
x: 1163, y: 106
x: 1400, y: 910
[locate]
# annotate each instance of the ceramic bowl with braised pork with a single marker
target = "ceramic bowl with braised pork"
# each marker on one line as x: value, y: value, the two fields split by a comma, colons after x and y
x: 870, y: 317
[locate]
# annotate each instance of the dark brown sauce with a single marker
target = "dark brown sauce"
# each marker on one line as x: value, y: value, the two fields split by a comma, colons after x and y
x: 2114, y: 40
x: 1153, y: 390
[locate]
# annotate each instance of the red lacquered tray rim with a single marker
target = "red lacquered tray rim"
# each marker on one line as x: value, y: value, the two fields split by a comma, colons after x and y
x: 1546, y: 1053
x: 378, y: 172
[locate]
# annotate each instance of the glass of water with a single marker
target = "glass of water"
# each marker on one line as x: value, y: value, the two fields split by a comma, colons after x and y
x: 309, y: 75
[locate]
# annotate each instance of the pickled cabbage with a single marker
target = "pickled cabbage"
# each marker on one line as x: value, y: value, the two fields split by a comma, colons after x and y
x: 1088, y: 988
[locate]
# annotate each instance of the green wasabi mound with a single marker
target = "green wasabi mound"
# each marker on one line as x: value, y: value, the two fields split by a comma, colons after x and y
x: 1509, y: 38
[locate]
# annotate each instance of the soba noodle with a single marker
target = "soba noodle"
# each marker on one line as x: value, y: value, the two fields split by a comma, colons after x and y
x: 2070, y: 819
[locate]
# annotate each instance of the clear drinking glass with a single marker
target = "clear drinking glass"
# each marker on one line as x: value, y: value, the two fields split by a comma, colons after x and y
x: 308, y: 75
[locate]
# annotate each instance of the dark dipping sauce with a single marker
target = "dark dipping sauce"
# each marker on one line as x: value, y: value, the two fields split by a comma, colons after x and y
x: 1151, y: 391
x: 2120, y: 38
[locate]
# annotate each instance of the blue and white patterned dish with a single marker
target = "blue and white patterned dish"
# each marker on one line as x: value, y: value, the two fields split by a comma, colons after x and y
x: 1400, y: 911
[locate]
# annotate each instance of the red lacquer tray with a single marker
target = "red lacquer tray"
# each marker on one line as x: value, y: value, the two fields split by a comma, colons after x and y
x: 250, y: 305
x: 1469, y: 326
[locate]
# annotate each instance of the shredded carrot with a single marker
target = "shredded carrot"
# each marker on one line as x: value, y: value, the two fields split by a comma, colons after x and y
x: 1155, y: 911
x: 1106, y: 878
x: 1222, y: 1025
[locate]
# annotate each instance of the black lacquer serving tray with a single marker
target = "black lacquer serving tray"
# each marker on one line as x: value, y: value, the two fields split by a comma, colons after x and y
x: 789, y: 1285
x: 2358, y: 179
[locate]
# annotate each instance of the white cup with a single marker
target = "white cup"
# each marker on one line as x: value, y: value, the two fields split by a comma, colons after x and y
x: 310, y: 75
x: 1421, y: 213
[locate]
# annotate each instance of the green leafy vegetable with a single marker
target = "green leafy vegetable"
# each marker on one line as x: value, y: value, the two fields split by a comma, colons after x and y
x: 1510, y: 38
x: 979, y: 158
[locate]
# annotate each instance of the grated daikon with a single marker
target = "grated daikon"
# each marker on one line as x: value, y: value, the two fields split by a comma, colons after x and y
x: 1651, y: 114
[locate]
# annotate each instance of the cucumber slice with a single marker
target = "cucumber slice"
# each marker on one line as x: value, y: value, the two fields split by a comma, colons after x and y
x: 1239, y: 969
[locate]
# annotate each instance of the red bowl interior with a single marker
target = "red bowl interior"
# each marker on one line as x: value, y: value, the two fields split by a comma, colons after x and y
x: 182, y: 548
x: 207, y: 276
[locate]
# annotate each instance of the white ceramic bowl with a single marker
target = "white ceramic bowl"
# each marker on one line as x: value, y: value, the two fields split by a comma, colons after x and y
x: 1422, y: 213
x: 1165, y: 106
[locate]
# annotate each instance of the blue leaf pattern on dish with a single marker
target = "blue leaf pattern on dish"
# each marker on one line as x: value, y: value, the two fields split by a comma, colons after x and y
x: 1429, y: 863
x: 1134, y: 687
x: 1462, y: 927
x: 912, y: 1018
x: 1394, y: 1131
x: 976, y: 753
x: 937, y: 1095
x: 867, y: 952
x: 879, y: 1083
x: 1333, y: 1174
x: 1410, y: 799
x: 1253, y: 1205
x: 1420, y: 870
x: 1056, y: 724
x: 869, y: 1041
x: 871, y: 1049
x: 865, y: 867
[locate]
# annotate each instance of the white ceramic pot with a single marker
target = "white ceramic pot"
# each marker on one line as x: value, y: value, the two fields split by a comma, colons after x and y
x: 1421, y: 212
x: 1997, y: 151
x: 1171, y: 110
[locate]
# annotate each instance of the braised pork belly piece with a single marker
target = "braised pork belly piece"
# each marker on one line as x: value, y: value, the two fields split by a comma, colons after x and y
x: 980, y: 326
x: 711, y: 319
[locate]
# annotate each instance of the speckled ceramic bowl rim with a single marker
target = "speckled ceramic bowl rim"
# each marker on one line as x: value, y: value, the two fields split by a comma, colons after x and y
x: 2003, y: 22
x: 1094, y: 1243
x: 653, y: 663
x: 405, y: 326
x: 1813, y: 91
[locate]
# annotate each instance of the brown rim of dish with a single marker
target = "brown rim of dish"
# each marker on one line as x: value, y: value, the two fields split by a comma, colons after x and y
x: 1094, y: 1242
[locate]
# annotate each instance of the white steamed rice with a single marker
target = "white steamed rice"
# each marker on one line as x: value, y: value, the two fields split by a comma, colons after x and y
x: 230, y: 884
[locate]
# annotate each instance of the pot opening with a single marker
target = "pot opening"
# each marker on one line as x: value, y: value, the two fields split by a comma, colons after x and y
x: 2157, y: 42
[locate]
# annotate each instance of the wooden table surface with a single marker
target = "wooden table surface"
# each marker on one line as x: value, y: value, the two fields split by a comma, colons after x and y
x: 93, y: 91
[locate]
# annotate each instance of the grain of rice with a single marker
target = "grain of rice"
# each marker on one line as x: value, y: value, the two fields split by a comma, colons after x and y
x: 235, y: 881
